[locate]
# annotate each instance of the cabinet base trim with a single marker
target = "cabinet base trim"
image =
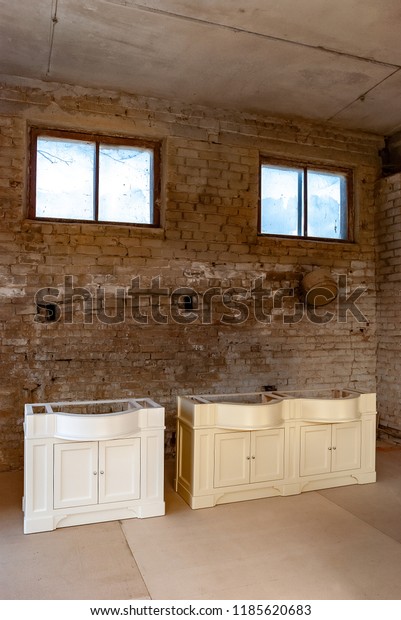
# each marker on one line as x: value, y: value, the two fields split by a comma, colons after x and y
x: 226, y: 496
x: 340, y: 481
x: 49, y: 523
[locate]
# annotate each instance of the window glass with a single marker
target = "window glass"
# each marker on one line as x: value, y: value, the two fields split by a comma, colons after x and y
x: 125, y: 184
x: 327, y: 206
x: 282, y: 201
x: 64, y: 179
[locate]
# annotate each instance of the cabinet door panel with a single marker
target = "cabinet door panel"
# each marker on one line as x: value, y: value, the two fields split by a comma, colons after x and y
x: 231, y: 459
x: 315, y: 450
x: 267, y: 455
x: 119, y: 470
x: 75, y: 474
x: 346, y: 453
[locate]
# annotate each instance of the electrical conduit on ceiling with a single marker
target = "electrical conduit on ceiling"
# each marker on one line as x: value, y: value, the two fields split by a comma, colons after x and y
x: 54, y: 21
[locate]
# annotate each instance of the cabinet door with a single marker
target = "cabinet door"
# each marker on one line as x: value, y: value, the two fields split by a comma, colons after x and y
x: 315, y: 449
x: 231, y: 461
x: 75, y: 474
x: 267, y: 455
x: 119, y: 470
x: 346, y: 446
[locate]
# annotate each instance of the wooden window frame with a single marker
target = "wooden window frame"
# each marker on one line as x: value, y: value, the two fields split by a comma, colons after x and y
x: 312, y: 166
x: 97, y: 139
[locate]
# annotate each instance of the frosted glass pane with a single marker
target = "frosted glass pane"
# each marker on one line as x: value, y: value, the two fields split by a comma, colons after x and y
x: 64, y: 179
x: 282, y: 201
x: 125, y: 184
x: 327, y: 205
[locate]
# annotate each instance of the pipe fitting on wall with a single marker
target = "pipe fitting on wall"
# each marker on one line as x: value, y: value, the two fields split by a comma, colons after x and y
x: 319, y: 287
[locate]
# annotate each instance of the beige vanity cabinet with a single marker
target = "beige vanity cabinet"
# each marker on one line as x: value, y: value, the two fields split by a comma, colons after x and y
x: 236, y: 447
x: 94, y: 472
x: 327, y: 448
x: 248, y: 457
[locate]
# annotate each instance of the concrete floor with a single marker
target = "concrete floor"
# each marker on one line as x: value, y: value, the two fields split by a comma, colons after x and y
x: 340, y: 543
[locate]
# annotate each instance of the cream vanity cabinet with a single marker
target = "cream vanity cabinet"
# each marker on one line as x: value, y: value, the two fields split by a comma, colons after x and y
x: 92, y: 461
x: 235, y: 447
x: 248, y: 457
x: 327, y: 448
x: 87, y: 473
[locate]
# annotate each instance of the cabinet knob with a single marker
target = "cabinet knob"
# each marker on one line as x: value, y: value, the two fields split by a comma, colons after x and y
x: 330, y: 448
x: 248, y: 458
x: 253, y: 458
x: 95, y: 473
x: 334, y: 448
x: 102, y: 472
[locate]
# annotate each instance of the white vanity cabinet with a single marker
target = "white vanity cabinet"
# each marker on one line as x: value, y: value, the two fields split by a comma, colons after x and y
x: 329, y: 448
x: 248, y: 457
x: 247, y: 446
x: 102, y: 464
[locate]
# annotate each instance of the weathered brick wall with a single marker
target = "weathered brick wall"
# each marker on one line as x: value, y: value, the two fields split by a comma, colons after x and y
x: 389, y: 301
x: 208, y: 240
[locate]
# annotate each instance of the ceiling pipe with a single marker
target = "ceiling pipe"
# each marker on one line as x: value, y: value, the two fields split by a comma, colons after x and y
x: 54, y: 21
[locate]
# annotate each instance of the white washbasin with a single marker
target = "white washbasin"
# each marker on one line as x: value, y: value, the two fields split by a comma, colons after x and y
x: 91, y: 427
x: 89, y: 420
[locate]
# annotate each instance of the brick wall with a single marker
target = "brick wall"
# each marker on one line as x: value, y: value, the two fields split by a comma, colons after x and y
x: 208, y: 240
x: 389, y: 301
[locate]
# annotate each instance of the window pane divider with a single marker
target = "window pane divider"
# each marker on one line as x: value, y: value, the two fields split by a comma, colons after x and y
x: 96, y: 185
x: 300, y: 197
x: 305, y: 198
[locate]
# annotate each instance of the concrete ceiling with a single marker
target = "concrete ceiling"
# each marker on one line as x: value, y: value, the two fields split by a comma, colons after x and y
x: 315, y: 59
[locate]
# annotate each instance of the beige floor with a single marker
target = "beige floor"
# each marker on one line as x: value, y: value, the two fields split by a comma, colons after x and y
x: 340, y: 543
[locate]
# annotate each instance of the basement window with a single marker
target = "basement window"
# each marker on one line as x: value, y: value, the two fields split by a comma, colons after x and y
x: 305, y: 201
x: 94, y: 178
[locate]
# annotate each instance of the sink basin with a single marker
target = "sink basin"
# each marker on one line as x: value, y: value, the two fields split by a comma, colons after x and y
x: 320, y: 410
x: 327, y: 405
x: 248, y: 416
x: 107, y: 425
x: 244, y: 411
